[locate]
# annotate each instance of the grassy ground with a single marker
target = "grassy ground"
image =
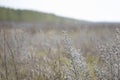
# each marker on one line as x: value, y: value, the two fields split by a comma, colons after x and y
x: 42, y: 56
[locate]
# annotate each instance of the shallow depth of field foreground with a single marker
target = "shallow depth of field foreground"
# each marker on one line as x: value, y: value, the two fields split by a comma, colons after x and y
x: 81, y: 54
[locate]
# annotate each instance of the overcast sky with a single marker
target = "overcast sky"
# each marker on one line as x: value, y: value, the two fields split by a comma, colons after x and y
x: 92, y: 10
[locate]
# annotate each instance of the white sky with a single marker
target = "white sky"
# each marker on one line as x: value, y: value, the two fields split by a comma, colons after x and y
x: 92, y: 10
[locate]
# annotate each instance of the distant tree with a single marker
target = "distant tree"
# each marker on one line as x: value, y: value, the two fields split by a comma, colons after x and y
x: 19, y: 13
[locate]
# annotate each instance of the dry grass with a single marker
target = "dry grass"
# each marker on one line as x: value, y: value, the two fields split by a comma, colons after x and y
x: 42, y: 56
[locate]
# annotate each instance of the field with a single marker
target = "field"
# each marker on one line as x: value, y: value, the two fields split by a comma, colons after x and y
x: 58, y: 50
